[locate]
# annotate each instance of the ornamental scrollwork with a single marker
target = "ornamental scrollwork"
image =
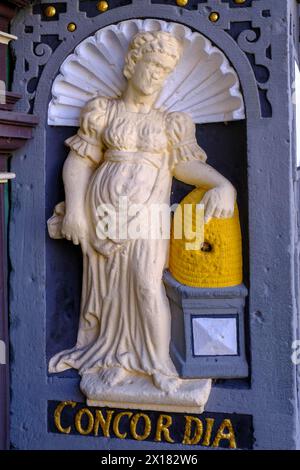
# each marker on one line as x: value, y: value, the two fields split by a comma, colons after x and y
x: 248, y: 24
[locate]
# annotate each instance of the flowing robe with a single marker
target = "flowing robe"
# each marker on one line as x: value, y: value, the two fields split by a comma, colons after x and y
x: 125, y: 313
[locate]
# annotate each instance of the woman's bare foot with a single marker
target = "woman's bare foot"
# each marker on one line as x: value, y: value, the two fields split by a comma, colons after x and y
x: 113, y: 376
x: 166, y: 383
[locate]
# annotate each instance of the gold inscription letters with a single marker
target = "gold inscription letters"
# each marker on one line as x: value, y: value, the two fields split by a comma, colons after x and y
x: 57, y: 415
x: 95, y: 422
x: 229, y: 435
x: 147, y: 429
x: 195, y: 439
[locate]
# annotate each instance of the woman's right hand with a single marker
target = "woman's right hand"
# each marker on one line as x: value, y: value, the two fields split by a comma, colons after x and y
x: 75, y: 227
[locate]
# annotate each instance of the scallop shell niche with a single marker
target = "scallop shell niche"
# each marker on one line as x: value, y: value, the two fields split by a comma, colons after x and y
x: 204, y: 84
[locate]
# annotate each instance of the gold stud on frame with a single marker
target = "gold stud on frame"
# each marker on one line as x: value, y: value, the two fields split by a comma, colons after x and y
x: 72, y: 27
x: 214, y: 17
x: 182, y: 3
x: 50, y: 11
x: 239, y: 2
x: 102, y: 6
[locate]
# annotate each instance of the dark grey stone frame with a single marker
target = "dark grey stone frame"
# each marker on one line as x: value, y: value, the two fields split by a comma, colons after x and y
x: 272, y: 395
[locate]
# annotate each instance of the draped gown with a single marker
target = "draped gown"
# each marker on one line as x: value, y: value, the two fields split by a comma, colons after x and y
x: 125, y: 313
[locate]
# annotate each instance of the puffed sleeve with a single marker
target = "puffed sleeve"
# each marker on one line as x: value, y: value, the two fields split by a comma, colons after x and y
x: 183, y: 146
x: 87, y: 143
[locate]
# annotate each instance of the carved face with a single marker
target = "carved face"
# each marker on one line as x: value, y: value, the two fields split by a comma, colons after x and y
x: 151, y: 72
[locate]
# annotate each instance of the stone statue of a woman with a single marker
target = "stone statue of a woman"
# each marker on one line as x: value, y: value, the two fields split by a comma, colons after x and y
x: 126, y: 148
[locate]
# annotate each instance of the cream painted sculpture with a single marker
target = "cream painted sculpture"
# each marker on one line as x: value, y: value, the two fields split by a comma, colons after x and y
x: 127, y: 148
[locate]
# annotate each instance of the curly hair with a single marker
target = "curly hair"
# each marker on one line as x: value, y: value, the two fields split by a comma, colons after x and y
x: 145, y: 42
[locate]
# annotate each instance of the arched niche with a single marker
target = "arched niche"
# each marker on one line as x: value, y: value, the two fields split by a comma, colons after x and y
x: 205, y: 85
x: 225, y: 143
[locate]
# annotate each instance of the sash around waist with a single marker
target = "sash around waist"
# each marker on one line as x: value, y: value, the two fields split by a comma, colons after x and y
x: 122, y: 156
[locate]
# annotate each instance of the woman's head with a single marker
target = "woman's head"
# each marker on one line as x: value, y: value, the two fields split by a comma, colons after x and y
x: 152, y: 56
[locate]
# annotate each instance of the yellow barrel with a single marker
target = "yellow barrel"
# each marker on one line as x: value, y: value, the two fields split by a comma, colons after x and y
x: 219, y: 261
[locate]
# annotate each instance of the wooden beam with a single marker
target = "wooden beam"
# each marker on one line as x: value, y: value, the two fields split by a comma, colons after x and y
x: 4, y: 370
x: 15, y: 129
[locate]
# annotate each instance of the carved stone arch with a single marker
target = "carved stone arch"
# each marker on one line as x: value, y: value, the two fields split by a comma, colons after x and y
x: 217, y: 36
x: 37, y: 148
x: 204, y: 84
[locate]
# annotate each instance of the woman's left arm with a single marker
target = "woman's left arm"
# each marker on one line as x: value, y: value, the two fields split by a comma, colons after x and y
x: 220, y: 198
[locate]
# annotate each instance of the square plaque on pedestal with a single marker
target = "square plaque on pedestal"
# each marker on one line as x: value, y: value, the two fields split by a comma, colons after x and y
x: 215, y: 335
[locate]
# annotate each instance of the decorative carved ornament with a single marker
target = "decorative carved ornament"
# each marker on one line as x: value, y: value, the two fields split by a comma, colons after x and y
x: 204, y: 84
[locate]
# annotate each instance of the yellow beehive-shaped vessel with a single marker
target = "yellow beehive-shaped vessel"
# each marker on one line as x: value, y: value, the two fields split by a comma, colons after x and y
x: 219, y: 262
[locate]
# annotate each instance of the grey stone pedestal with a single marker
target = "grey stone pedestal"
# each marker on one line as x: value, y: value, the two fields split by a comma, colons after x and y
x: 208, y: 335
